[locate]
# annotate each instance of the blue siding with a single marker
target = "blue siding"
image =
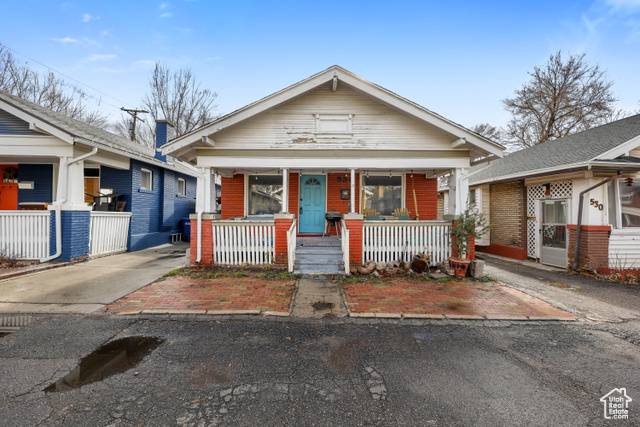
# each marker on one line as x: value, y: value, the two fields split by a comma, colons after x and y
x: 42, y: 177
x: 184, y: 205
x: 12, y: 125
x: 119, y: 181
x: 75, y: 236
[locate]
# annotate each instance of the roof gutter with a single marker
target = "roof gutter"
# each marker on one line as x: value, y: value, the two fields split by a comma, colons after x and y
x: 580, y: 206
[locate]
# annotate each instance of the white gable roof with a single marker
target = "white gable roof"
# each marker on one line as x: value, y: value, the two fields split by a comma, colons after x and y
x: 464, y: 137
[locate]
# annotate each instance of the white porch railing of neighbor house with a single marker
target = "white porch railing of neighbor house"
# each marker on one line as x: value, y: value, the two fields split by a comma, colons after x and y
x: 25, y: 234
x: 291, y: 246
x: 385, y: 241
x: 243, y: 242
x: 344, y: 231
x: 109, y: 232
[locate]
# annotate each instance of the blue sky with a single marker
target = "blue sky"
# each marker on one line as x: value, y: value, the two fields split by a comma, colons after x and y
x: 459, y: 59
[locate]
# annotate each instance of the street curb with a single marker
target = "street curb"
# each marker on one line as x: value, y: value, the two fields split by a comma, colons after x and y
x: 276, y: 313
x: 466, y: 317
x: 424, y: 316
x: 230, y: 312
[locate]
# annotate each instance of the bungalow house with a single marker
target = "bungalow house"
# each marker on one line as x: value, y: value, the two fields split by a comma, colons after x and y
x: 538, y: 197
x: 70, y: 190
x: 333, y: 142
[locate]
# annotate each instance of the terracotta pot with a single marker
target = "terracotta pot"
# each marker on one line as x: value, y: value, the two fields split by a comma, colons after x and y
x: 459, y: 266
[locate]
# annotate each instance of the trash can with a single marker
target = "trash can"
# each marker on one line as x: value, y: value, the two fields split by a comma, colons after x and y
x: 186, y: 228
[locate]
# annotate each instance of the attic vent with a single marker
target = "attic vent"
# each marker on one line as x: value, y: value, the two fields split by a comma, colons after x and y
x: 334, y: 125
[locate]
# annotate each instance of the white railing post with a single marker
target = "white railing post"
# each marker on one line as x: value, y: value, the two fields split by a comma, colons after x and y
x: 345, y: 246
x: 108, y: 232
x: 240, y: 242
x: 291, y: 246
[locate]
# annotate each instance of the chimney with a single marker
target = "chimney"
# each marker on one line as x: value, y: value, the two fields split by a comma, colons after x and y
x: 165, y: 132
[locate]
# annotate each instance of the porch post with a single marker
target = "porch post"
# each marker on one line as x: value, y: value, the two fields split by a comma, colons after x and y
x: 353, y: 192
x: 207, y: 189
x: 459, y: 192
x: 285, y: 191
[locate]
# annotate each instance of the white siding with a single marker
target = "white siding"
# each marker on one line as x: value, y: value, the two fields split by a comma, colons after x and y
x: 624, y: 248
x: 293, y: 125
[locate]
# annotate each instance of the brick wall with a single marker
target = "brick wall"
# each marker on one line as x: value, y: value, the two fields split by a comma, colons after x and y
x: 508, y: 209
x: 336, y: 182
x: 426, y: 195
x: 355, y: 242
x: 232, y: 196
x: 281, y: 250
x: 594, y: 246
x: 207, y: 243
x: 294, y: 188
x: 75, y: 236
x: 42, y: 177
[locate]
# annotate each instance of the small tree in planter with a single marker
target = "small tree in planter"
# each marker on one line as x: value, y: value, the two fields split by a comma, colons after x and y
x: 471, y: 224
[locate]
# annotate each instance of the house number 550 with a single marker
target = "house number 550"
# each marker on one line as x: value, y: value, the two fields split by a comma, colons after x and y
x: 595, y: 203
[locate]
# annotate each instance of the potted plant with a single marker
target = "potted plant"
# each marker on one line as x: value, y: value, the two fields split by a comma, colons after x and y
x: 471, y: 224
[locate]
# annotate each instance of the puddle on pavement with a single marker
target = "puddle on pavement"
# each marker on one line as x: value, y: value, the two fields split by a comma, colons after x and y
x: 318, y: 306
x: 112, y: 358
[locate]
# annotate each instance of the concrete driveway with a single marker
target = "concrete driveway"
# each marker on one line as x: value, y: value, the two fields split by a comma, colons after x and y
x: 89, y: 286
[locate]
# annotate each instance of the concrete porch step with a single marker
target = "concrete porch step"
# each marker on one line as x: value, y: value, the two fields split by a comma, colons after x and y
x: 326, y: 258
x: 318, y: 269
x: 319, y: 250
x: 327, y: 241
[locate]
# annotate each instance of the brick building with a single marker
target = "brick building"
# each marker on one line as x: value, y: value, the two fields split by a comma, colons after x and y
x: 331, y: 144
x: 534, y: 199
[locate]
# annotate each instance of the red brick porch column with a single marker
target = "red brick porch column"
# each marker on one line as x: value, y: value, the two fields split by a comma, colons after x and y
x: 283, y: 224
x: 354, y: 225
x: 471, y: 246
x: 207, y: 239
x: 594, y: 246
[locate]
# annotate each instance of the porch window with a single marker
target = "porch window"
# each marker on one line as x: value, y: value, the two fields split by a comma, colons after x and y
x: 182, y: 187
x: 629, y: 204
x: 382, y: 193
x: 265, y: 194
x: 146, y: 180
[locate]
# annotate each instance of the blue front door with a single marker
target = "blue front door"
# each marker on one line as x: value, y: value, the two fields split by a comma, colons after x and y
x: 312, y: 203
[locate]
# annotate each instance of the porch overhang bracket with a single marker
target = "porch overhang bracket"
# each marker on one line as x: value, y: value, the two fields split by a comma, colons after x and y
x: 458, y: 143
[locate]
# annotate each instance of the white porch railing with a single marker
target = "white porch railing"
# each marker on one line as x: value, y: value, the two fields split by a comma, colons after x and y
x: 344, y: 231
x: 291, y: 246
x: 385, y: 241
x: 25, y: 234
x: 109, y: 232
x: 243, y: 242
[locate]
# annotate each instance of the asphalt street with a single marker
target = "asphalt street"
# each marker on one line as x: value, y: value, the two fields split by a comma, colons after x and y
x: 294, y: 372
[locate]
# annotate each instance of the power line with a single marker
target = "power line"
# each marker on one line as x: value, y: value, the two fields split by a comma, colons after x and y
x: 70, y: 78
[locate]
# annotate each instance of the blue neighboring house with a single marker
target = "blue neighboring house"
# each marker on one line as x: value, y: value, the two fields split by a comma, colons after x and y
x: 70, y: 191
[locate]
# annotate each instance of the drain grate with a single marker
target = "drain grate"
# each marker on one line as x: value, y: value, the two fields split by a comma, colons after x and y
x: 13, y: 323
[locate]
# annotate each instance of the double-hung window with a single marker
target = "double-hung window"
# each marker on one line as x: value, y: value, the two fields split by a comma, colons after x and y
x: 382, y: 193
x: 265, y: 194
x: 146, y: 180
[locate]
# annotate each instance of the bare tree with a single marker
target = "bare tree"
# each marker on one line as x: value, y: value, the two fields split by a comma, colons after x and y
x: 46, y: 90
x: 488, y: 131
x: 562, y: 97
x: 176, y: 96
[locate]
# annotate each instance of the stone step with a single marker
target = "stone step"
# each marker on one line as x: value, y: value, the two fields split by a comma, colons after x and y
x: 318, y: 241
x: 314, y: 264
x: 321, y: 250
x: 326, y: 258
x: 318, y: 269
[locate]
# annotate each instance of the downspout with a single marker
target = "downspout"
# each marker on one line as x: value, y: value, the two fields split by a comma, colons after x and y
x: 57, y: 208
x: 199, y: 242
x: 580, y: 205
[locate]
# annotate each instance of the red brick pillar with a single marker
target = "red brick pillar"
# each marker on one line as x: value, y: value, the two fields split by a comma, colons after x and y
x: 471, y: 246
x: 207, y: 240
x: 354, y: 225
x: 283, y: 224
x: 594, y: 246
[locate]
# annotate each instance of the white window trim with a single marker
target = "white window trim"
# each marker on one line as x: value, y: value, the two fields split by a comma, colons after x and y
x: 246, y: 193
x: 184, y: 187
x: 404, y: 186
x: 150, y: 172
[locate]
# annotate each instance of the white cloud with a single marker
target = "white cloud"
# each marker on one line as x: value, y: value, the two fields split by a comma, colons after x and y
x: 105, y: 33
x: 164, y: 5
x: 624, y: 3
x: 144, y: 63
x: 88, y: 17
x: 65, y: 40
x: 98, y: 57
x: 166, y: 15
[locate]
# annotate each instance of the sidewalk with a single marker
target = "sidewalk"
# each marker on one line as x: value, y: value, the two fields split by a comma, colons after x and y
x: 89, y: 286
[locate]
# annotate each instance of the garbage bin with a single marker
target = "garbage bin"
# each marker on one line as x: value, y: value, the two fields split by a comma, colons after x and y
x: 186, y: 228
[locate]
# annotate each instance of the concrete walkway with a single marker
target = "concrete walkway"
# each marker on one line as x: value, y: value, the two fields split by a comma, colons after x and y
x: 89, y: 286
x: 318, y: 298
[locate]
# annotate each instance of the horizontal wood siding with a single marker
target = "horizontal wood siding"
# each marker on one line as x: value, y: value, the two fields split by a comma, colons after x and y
x: 293, y: 125
x: 624, y: 248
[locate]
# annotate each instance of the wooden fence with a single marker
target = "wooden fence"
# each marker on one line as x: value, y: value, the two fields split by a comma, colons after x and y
x: 384, y: 241
x: 25, y: 234
x: 109, y: 232
x: 243, y: 242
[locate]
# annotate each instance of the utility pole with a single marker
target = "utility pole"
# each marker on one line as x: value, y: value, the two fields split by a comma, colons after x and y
x: 134, y: 114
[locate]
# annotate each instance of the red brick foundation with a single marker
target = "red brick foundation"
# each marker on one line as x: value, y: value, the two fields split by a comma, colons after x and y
x: 207, y: 243
x: 505, y: 251
x: 594, y: 246
x: 282, y: 227
x: 355, y: 241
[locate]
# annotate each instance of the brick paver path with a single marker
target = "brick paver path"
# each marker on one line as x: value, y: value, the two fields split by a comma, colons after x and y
x: 176, y: 294
x: 466, y: 297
